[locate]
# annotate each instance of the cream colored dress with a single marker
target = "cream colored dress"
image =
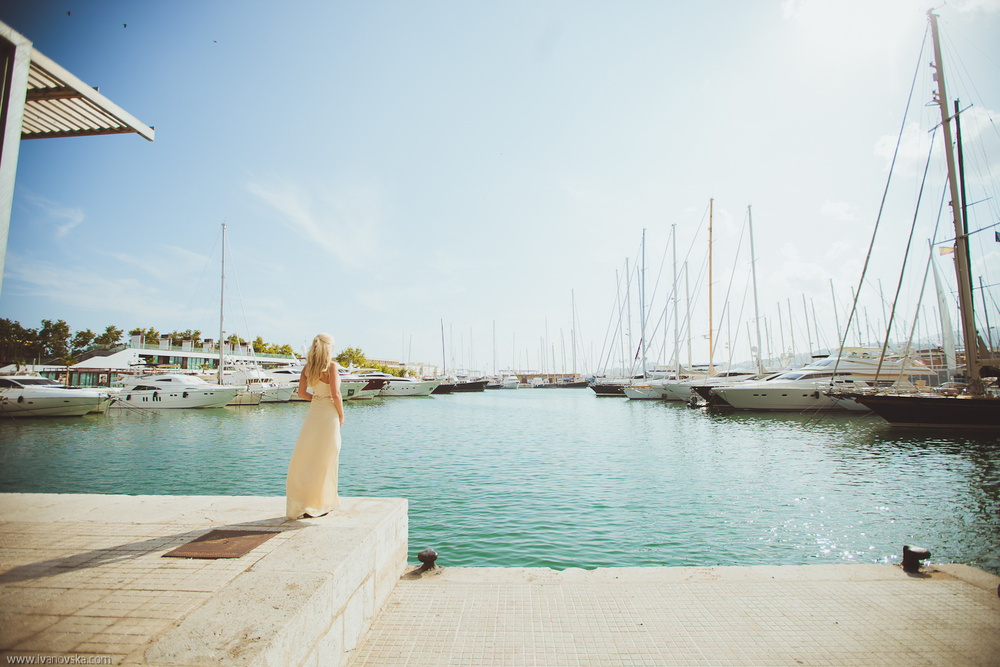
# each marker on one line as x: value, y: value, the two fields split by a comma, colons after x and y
x: 311, y: 487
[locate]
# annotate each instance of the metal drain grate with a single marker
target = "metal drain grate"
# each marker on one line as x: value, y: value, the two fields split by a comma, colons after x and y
x: 222, y: 544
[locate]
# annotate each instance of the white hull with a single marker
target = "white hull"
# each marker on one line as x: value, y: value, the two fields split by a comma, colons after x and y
x: 679, y: 391
x: 159, y: 399
x: 408, y: 388
x: 246, y: 397
x: 643, y: 392
x: 804, y: 389
x: 171, y: 391
x: 47, y: 403
x: 250, y: 378
x: 785, y: 396
x: 279, y: 394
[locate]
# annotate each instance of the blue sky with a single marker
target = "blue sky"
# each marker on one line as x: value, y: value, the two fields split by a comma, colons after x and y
x: 386, y: 166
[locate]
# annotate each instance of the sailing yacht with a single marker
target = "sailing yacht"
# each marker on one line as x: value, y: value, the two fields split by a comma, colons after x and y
x: 977, y: 406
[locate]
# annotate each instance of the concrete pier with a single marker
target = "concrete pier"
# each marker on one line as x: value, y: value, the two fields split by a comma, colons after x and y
x: 84, y: 580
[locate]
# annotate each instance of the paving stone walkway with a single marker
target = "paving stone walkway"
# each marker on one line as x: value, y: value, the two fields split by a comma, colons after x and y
x: 815, y: 615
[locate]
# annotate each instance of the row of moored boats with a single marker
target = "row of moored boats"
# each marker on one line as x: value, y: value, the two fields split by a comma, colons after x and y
x: 38, y: 396
x: 828, y: 383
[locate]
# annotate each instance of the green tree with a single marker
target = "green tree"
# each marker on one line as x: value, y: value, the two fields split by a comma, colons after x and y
x: 111, y: 336
x: 285, y: 349
x: 259, y: 345
x: 352, y: 356
x: 150, y: 335
x: 15, y: 341
x: 82, y: 340
x: 67, y: 361
x: 54, y: 338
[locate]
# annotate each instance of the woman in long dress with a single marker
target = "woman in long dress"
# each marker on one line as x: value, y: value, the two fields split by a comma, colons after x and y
x: 311, y: 487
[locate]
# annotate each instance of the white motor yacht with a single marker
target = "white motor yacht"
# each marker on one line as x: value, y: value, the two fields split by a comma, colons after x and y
x: 288, y: 376
x: 36, y: 396
x: 805, y: 389
x: 355, y: 388
x: 174, y: 390
x: 398, y: 386
x: 255, y: 381
x: 683, y: 390
x: 510, y: 382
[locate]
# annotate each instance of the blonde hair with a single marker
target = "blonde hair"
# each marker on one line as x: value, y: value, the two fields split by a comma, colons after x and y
x: 319, y: 357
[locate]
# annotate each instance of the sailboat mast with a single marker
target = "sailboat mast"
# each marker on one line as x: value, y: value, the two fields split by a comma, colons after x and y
x: 222, y: 300
x: 572, y: 331
x: 710, y: 356
x: 756, y: 311
x: 677, y: 335
x: 642, y: 305
x: 962, y: 271
x: 628, y: 304
x: 444, y: 354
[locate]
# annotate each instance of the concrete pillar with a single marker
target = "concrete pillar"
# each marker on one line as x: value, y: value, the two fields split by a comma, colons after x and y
x: 15, y: 60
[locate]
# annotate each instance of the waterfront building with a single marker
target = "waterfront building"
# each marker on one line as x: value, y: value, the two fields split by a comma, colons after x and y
x: 102, y: 366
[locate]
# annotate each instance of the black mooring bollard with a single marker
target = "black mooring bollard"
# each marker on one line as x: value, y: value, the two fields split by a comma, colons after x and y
x: 912, y: 557
x: 427, y: 557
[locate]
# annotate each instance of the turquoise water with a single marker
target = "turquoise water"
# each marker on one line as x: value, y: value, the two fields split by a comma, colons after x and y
x: 562, y: 478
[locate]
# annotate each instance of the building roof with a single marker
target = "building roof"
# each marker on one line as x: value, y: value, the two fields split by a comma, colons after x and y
x: 58, y: 104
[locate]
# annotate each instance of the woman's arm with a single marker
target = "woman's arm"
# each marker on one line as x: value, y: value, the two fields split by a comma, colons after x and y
x: 338, y: 400
x: 303, y: 385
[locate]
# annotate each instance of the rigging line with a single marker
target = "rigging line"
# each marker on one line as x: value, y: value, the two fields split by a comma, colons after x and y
x: 906, y: 254
x: 602, y: 364
x: 954, y: 55
x: 913, y: 328
x: 881, y: 208
x: 663, y: 260
x: 204, y: 270
x: 239, y: 293
x: 725, y: 304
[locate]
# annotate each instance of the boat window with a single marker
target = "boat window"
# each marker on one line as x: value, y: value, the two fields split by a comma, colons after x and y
x: 36, y: 381
x: 4, y: 382
x: 788, y: 376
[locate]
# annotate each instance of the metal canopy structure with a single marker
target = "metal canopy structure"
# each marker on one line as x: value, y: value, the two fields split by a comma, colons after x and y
x: 59, y: 104
x: 40, y: 99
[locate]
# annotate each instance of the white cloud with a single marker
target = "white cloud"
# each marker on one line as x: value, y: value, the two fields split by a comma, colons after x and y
x: 97, y: 291
x: 345, y: 222
x: 912, y: 154
x: 61, y: 218
x: 166, y: 262
x: 971, y: 6
x: 839, y: 211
